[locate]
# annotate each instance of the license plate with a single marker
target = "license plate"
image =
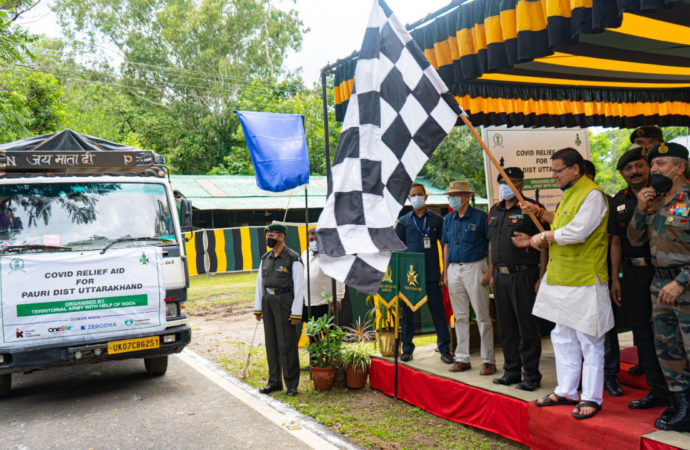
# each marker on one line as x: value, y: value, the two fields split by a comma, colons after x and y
x: 133, y: 345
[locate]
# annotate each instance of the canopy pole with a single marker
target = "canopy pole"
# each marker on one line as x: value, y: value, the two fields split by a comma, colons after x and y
x: 495, y: 162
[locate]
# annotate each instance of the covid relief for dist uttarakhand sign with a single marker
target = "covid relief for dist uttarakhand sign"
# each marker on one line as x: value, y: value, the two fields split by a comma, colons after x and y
x: 531, y: 149
x: 107, y: 295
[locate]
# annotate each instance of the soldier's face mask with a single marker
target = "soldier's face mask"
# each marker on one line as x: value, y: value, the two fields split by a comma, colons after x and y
x: 663, y: 183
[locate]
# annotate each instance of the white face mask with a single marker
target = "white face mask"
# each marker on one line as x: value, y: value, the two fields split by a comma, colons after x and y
x: 313, y: 246
x: 505, y: 192
x: 417, y: 201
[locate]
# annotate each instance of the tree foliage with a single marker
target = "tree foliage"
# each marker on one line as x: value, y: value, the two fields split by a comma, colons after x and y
x: 187, y: 65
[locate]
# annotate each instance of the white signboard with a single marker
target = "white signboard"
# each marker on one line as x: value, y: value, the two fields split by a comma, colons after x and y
x: 530, y: 149
x: 70, y: 296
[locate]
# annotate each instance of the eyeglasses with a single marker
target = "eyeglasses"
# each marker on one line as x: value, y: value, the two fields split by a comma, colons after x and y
x: 558, y: 171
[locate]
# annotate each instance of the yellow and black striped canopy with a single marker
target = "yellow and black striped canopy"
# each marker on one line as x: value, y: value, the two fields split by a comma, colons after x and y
x: 613, y: 63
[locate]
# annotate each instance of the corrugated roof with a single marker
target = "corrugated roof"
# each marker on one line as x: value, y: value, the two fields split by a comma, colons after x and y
x: 240, y: 192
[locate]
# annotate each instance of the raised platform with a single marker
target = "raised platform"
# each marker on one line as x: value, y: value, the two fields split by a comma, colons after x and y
x: 474, y: 400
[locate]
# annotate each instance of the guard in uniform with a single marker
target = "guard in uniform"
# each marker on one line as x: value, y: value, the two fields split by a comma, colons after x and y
x: 632, y: 273
x: 278, y: 300
x: 662, y: 218
x: 515, y: 274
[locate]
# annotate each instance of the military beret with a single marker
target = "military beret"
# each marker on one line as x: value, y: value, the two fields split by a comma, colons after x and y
x: 648, y: 132
x: 512, y: 172
x: 276, y: 228
x: 634, y: 154
x: 668, y: 149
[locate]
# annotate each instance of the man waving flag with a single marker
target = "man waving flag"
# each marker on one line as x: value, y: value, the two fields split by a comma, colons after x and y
x: 398, y: 113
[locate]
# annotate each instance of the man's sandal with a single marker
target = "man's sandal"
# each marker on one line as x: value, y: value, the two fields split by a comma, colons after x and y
x: 548, y: 401
x: 586, y: 404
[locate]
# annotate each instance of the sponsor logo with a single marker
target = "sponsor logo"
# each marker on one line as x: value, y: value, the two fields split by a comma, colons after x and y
x: 100, y: 326
x: 144, y: 259
x: 129, y: 322
x: 83, y: 327
x: 60, y: 330
x: 20, y: 333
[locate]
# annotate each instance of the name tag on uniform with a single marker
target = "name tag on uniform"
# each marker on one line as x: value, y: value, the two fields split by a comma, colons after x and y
x: 472, y: 226
x: 620, y: 208
x: 427, y: 241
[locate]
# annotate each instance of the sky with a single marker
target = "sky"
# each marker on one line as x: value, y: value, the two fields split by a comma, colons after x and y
x: 336, y: 27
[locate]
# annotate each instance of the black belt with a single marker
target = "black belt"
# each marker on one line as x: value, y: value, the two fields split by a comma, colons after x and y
x: 668, y: 272
x: 640, y: 262
x: 505, y: 269
x: 276, y: 291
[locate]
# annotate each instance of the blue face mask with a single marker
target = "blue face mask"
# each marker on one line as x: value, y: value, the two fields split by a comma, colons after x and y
x: 417, y: 201
x: 455, y: 203
x: 505, y: 192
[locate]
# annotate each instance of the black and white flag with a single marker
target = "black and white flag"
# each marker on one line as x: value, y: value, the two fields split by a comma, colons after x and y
x: 398, y: 113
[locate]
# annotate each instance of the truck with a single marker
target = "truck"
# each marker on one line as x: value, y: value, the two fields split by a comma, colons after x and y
x: 92, y: 262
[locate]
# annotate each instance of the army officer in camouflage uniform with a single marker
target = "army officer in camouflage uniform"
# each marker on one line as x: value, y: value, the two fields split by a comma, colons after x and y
x: 662, y: 218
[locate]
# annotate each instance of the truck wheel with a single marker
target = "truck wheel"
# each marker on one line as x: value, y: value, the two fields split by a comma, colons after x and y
x: 156, y: 366
x: 5, y: 384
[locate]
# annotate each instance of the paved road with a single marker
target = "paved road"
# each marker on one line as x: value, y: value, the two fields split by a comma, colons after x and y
x: 116, y: 405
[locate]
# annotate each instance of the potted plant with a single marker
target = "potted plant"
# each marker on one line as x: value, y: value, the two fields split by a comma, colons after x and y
x: 325, y: 340
x: 356, y: 361
x: 385, y: 320
x: 360, y: 331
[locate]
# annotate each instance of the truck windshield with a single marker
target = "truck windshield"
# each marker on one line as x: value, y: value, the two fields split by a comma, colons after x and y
x: 83, y: 216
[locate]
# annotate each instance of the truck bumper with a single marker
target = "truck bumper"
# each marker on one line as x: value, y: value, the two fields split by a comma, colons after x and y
x: 87, y: 352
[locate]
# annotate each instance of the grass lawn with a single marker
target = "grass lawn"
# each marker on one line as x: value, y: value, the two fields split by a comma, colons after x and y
x: 369, y: 418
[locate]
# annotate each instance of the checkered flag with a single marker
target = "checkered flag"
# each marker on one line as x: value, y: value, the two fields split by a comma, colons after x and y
x: 398, y: 113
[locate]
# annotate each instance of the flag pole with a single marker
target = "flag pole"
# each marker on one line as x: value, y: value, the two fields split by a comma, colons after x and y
x: 306, y: 233
x: 329, y: 176
x: 397, y: 325
x: 495, y: 162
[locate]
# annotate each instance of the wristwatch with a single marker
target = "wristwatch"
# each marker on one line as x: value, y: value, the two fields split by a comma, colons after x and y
x: 543, y: 236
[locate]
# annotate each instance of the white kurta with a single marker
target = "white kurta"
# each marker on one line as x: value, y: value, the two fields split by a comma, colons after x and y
x: 584, y: 308
x: 320, y: 282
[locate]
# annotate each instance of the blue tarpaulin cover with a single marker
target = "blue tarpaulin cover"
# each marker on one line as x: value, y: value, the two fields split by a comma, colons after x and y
x: 278, y: 149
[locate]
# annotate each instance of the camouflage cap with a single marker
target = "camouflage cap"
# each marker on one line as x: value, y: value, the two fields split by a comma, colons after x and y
x: 512, y: 172
x: 649, y: 131
x: 634, y: 154
x: 668, y: 149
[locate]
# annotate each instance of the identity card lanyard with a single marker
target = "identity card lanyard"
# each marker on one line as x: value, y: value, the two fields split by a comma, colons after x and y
x: 424, y: 229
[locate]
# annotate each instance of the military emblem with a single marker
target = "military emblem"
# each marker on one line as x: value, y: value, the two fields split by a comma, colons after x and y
x: 412, y: 276
x: 578, y: 141
x: 498, y: 140
x: 663, y: 148
x: 388, y: 277
x: 144, y: 259
x: 643, y: 151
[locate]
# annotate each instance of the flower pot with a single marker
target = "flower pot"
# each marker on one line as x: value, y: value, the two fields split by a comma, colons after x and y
x: 322, y: 377
x: 339, y: 379
x: 356, y: 378
x: 387, y: 343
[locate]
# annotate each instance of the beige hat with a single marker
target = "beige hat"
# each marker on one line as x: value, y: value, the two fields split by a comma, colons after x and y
x: 459, y: 187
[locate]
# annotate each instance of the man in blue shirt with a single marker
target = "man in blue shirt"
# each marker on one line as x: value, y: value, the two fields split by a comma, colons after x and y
x: 420, y: 229
x: 465, y: 248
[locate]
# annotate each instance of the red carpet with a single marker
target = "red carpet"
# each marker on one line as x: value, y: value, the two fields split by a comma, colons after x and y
x: 616, y: 426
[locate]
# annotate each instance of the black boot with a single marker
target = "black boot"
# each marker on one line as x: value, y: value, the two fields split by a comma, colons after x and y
x: 669, y: 412
x: 680, y: 421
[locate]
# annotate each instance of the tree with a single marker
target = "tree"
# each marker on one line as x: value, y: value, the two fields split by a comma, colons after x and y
x: 458, y: 157
x: 188, y: 62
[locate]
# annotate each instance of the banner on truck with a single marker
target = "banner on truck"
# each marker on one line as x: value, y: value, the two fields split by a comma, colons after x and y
x: 72, y: 296
x: 530, y: 149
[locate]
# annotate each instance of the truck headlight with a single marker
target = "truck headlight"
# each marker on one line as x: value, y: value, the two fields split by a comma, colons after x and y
x: 171, y: 309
